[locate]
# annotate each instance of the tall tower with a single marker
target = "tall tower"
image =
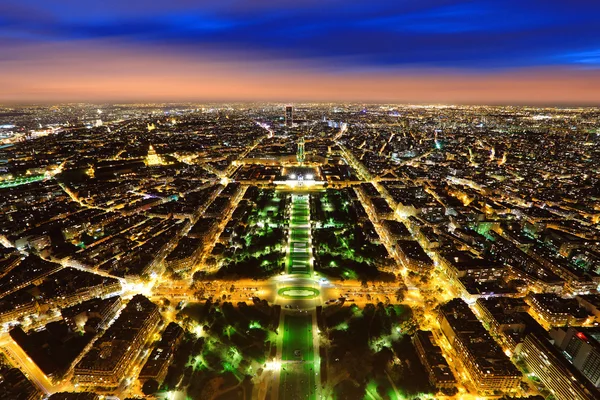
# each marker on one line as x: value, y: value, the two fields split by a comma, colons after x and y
x: 300, y: 152
x: 289, y: 115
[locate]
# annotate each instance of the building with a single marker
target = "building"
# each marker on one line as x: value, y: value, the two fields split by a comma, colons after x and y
x: 153, y: 159
x: 18, y: 305
x: 581, y: 347
x: 74, y: 396
x: 8, y: 261
x: 157, y: 364
x: 591, y: 303
x: 289, y: 115
x: 413, y: 256
x: 103, y: 310
x: 461, y: 264
x: 577, y: 280
x: 439, y: 373
x: 81, y: 287
x: 553, y: 310
x: 547, y: 363
x: 394, y: 230
x: 15, y: 385
x: 111, y: 356
x: 186, y: 255
x: 508, y: 319
x: 381, y: 208
x: 489, y: 367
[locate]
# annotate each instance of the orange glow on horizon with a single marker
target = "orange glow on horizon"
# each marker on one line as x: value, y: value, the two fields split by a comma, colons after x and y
x: 92, y: 72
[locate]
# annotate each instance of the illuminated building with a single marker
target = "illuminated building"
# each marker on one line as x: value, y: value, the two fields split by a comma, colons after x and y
x: 11, y: 311
x: 591, y: 303
x: 548, y: 364
x: 430, y: 355
x: 582, y: 348
x: 413, y: 256
x: 14, y: 384
x: 508, y: 320
x: 75, y: 396
x: 556, y: 311
x: 462, y: 264
x: 186, y: 254
x: 103, y: 310
x: 111, y: 356
x: 489, y: 368
x: 162, y: 355
x: 8, y: 261
x: 153, y: 158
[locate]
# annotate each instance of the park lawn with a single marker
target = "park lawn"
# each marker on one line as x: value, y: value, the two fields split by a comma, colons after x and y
x: 297, y: 335
x: 298, y: 382
x: 299, y: 263
x: 300, y: 234
x: 298, y: 378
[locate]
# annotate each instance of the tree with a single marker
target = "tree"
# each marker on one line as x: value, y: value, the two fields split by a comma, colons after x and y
x: 199, y: 294
x: 199, y: 276
x: 359, y: 366
x: 150, y: 387
x: 382, y: 359
x: 400, y: 294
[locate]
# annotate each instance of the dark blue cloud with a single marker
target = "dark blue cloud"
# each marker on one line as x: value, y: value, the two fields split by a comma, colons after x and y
x: 482, y: 34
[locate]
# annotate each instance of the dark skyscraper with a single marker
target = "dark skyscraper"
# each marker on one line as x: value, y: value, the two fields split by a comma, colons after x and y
x: 289, y: 115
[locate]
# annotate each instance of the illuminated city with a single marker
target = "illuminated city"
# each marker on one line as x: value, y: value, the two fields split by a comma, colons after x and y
x: 299, y: 200
x: 340, y: 251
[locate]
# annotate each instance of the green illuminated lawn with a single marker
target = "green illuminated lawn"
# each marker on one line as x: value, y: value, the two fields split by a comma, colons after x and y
x: 298, y: 372
x: 297, y: 380
x: 298, y: 292
x: 21, y: 181
x: 299, y: 218
x: 299, y: 247
x: 297, y: 335
x: 298, y: 261
x: 300, y: 234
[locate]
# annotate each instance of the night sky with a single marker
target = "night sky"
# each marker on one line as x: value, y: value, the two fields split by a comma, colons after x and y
x: 499, y: 51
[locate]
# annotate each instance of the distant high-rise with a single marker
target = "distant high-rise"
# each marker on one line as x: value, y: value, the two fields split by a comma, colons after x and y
x: 300, y: 153
x: 289, y: 115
